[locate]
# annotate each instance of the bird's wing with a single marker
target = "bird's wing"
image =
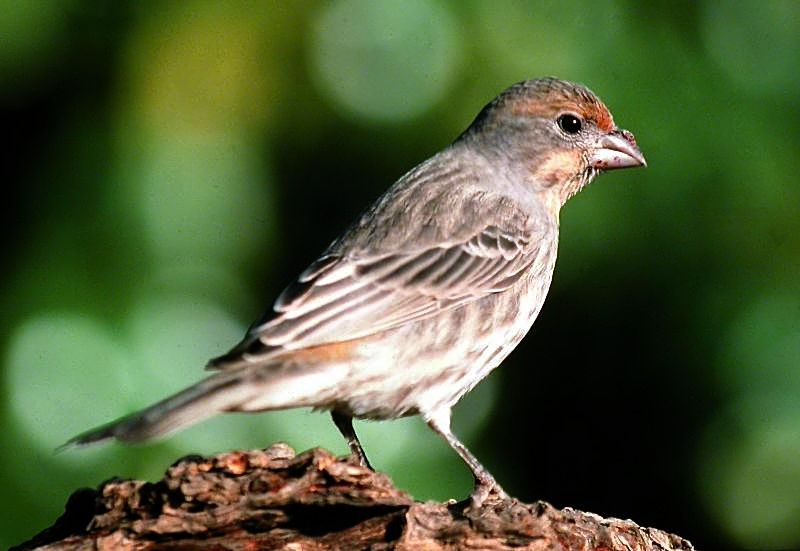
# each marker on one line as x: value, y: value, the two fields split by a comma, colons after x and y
x: 340, y: 298
x: 371, y: 280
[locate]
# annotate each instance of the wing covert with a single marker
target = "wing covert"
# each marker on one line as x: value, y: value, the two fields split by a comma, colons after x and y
x: 340, y: 298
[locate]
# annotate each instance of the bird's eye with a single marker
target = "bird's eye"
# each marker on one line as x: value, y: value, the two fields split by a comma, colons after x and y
x: 569, y: 123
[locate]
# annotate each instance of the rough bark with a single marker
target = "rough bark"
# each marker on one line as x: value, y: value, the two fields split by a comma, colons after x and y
x: 275, y: 499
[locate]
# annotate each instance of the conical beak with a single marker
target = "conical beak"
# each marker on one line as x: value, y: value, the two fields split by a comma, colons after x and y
x: 617, y: 150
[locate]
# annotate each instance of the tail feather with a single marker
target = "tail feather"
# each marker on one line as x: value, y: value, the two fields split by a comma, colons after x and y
x: 220, y: 392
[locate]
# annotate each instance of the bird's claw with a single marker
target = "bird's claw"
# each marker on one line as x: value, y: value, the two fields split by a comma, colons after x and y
x: 486, y: 492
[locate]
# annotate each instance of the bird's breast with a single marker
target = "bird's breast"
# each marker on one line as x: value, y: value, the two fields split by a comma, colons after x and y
x: 433, y: 362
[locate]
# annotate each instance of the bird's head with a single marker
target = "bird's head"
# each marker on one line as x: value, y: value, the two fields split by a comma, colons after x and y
x: 560, y: 132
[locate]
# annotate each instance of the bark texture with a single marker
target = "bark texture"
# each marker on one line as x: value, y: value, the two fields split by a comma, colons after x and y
x: 275, y: 499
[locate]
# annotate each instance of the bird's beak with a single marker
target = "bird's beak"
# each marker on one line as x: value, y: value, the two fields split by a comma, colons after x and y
x: 617, y: 150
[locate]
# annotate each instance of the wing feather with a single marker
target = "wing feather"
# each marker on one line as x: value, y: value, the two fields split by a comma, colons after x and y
x: 340, y: 298
x: 405, y: 261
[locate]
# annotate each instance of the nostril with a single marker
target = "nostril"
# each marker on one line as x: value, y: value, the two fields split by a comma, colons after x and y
x: 629, y: 137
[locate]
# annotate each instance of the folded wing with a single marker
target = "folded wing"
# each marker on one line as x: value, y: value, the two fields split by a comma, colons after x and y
x: 340, y: 298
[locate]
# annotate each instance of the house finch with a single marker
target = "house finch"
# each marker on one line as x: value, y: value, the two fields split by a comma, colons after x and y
x: 428, y: 291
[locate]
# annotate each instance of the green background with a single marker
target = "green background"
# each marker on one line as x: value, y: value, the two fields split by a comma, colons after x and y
x: 169, y: 166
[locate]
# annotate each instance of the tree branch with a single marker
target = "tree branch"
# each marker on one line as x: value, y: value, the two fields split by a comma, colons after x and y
x: 275, y: 499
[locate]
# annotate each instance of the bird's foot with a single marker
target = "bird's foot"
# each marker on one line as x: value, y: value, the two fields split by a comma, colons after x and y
x: 483, y: 493
x: 361, y: 459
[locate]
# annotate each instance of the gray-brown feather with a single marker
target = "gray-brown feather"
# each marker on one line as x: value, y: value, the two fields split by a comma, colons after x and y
x: 406, y: 260
x: 428, y: 291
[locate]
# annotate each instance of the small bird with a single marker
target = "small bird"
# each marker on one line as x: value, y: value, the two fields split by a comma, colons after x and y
x: 428, y: 291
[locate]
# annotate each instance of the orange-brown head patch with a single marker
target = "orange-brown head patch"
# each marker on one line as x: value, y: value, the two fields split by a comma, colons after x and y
x: 549, y: 97
x: 560, y: 175
x: 559, y: 166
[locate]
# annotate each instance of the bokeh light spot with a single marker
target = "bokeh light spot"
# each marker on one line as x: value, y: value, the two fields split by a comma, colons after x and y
x: 384, y: 60
x: 202, y: 199
x: 526, y: 40
x: 67, y: 371
x: 173, y: 336
x: 750, y: 475
x: 199, y: 66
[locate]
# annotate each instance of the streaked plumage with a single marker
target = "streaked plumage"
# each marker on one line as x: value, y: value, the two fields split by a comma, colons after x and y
x: 428, y: 290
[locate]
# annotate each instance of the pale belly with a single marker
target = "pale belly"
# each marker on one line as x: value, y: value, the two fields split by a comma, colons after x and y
x: 432, y: 363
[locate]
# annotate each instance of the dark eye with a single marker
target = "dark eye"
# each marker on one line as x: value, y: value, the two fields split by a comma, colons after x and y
x: 569, y: 123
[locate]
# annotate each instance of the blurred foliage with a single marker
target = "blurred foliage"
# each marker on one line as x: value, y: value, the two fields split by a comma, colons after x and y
x: 170, y: 166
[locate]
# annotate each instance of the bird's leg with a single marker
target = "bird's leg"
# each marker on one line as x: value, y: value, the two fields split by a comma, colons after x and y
x: 485, y: 483
x: 345, y: 425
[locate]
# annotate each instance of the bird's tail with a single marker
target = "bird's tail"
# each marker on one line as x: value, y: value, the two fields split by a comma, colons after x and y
x: 224, y: 391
